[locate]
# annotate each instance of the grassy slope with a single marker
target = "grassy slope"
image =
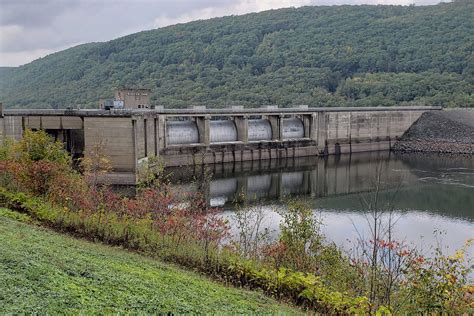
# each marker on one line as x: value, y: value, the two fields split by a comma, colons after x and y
x: 45, y: 272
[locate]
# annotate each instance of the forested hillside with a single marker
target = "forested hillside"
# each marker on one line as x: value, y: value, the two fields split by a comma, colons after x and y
x: 320, y: 56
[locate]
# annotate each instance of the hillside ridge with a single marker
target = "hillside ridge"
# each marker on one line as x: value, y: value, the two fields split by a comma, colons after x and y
x: 321, y: 56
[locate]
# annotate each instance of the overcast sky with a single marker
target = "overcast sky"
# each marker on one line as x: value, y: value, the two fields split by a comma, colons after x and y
x: 30, y: 29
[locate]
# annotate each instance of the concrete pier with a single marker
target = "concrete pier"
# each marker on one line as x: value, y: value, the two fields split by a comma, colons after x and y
x: 199, y: 135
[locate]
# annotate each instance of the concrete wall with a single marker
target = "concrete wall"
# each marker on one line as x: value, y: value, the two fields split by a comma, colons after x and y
x: 305, y: 134
x: 343, y: 132
x: 53, y: 122
x: 146, y: 135
x: 12, y: 127
x: 116, y: 138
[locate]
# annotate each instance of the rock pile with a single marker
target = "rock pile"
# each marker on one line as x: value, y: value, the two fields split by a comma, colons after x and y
x: 440, y: 131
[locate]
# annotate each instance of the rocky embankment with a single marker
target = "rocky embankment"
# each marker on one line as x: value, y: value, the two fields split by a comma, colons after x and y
x: 450, y: 131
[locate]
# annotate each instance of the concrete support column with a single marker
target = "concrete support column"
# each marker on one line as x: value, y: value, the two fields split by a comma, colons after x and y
x: 377, y: 126
x: 306, y: 125
x: 134, y: 145
x: 242, y: 124
x: 322, y: 131
x: 161, y: 130
x: 313, y: 131
x: 389, y: 121
x: 203, y: 124
x: 276, y: 123
x: 61, y: 135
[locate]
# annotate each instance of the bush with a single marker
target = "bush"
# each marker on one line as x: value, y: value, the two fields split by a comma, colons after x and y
x: 36, y: 146
x: 300, y: 267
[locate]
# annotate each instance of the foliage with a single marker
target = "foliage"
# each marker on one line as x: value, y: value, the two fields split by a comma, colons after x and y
x: 175, y: 246
x: 33, y: 162
x: 96, y: 163
x: 438, y: 284
x: 303, y: 247
x: 301, y: 267
x: 177, y: 228
x: 252, y: 237
x: 6, y: 149
x: 398, y: 277
x: 37, y: 146
x: 6, y: 213
x: 47, y: 273
x: 151, y: 173
x: 320, y: 56
x: 300, y: 236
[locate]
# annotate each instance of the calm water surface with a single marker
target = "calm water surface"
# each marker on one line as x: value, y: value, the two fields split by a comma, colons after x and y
x: 428, y: 192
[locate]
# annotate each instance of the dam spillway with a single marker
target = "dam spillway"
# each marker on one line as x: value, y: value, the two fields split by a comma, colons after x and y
x: 259, y: 130
x: 200, y: 136
x: 225, y: 131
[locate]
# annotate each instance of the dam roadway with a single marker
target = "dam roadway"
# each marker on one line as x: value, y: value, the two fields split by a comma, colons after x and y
x: 199, y: 135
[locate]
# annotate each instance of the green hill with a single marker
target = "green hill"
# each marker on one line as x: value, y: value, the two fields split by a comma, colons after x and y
x: 320, y: 56
x: 45, y: 273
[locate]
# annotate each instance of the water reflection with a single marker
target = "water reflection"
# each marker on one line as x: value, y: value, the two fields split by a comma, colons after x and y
x: 428, y: 192
x: 443, y: 185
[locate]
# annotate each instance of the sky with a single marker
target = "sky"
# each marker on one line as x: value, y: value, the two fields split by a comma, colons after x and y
x: 30, y: 29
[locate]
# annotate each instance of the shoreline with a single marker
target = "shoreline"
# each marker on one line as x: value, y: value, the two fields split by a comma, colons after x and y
x: 413, y: 146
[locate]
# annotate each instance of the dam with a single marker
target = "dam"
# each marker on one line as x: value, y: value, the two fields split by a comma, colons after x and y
x: 202, y: 136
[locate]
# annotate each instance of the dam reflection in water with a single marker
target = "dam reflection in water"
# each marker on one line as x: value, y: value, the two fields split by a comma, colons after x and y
x: 428, y: 192
x: 425, y: 183
x: 276, y: 179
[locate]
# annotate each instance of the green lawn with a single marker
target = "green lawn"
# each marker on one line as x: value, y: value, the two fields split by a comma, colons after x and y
x: 48, y: 273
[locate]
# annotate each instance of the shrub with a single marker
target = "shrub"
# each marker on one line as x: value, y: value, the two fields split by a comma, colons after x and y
x: 36, y: 146
x: 439, y: 284
x: 301, y: 266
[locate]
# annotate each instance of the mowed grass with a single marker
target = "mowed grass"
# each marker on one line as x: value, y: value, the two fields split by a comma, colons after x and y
x: 48, y: 273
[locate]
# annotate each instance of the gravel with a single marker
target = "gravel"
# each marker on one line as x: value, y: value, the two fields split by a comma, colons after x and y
x: 450, y: 131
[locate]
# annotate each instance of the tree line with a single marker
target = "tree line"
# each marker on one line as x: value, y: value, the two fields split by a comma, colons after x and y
x: 320, y: 56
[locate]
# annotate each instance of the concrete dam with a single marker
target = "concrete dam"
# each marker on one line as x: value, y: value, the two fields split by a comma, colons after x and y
x: 201, y: 136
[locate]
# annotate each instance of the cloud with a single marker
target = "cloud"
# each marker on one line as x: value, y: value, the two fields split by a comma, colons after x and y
x: 236, y: 8
x: 18, y: 58
x: 8, y: 34
x: 37, y: 13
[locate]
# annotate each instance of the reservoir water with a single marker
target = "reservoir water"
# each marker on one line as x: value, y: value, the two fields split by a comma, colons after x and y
x: 427, y: 193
